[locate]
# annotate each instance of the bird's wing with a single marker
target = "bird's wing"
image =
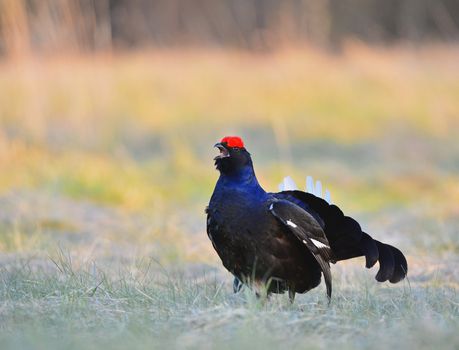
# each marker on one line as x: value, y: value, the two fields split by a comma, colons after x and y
x: 309, y: 232
x: 343, y: 232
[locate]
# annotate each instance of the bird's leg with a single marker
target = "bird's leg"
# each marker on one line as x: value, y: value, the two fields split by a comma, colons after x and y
x: 291, y: 295
x: 261, y: 290
x: 291, y: 292
x: 237, y: 285
x: 263, y: 297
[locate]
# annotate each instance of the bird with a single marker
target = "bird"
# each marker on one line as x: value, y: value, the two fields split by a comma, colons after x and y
x: 285, y: 241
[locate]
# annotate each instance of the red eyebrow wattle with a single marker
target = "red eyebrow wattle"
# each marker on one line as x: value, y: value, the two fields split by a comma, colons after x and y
x: 233, y: 141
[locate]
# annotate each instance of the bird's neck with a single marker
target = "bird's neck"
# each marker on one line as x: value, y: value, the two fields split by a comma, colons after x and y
x: 242, y: 179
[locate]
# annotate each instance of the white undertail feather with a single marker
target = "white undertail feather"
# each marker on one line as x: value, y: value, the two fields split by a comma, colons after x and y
x: 309, y: 184
x: 288, y: 184
x: 318, y: 189
x: 327, y: 196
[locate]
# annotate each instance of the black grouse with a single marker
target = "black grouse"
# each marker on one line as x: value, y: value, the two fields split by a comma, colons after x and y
x: 286, y: 240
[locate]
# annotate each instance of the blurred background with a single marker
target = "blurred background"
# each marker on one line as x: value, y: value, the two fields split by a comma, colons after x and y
x: 114, y: 105
x: 108, y: 113
x: 102, y: 25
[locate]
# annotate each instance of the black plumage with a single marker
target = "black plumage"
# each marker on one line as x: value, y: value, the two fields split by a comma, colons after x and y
x: 284, y: 240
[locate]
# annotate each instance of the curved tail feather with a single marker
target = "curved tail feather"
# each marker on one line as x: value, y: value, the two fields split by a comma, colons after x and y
x: 386, y: 262
x: 369, y: 247
x: 401, y: 266
x: 392, y: 264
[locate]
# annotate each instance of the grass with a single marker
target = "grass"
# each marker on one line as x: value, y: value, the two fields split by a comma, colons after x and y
x: 145, y: 305
x: 106, y: 167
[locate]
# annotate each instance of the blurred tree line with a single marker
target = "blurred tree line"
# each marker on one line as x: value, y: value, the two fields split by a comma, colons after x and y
x: 88, y: 25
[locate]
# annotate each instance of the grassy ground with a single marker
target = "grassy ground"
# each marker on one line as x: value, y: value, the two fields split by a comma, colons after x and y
x: 105, y: 169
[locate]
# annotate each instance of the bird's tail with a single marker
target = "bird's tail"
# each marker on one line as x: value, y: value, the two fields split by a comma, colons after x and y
x: 345, y: 235
x: 348, y: 241
x: 393, y: 266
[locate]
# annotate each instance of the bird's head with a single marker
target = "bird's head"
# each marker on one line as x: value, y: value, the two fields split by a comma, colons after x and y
x: 233, y: 156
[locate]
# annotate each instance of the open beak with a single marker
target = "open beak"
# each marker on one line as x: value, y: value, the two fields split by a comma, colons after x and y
x: 223, y: 151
